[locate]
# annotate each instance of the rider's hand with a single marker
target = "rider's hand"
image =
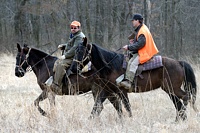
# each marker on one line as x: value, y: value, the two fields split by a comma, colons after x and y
x: 125, y: 47
x: 60, y: 46
x: 131, y: 41
x: 62, y: 57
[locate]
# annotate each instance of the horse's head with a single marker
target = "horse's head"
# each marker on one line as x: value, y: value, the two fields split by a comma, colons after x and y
x: 82, y: 55
x: 21, y: 60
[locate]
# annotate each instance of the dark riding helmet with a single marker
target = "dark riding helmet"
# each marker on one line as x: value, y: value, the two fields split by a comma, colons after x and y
x: 137, y: 17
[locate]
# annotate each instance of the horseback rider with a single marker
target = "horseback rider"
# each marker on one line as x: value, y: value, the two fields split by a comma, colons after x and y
x: 64, y: 62
x: 142, y: 47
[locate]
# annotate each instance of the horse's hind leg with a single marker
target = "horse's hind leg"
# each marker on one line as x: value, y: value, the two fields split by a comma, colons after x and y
x: 41, y: 97
x: 185, y: 97
x: 51, y: 97
x: 192, y: 97
x: 179, y: 107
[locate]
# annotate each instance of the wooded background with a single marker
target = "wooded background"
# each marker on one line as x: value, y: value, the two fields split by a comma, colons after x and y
x: 44, y: 24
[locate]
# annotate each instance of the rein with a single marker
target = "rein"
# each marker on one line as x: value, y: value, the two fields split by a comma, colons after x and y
x: 42, y: 59
x: 25, y: 60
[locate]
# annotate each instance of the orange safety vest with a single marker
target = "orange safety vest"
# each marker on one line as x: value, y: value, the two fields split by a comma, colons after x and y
x: 149, y: 49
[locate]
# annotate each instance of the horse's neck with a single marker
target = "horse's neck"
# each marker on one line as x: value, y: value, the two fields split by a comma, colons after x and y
x: 100, y: 58
x: 41, y: 61
x: 36, y: 57
x: 96, y: 57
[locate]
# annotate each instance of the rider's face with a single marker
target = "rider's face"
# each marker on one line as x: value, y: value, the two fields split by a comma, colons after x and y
x: 74, y: 29
x: 135, y: 23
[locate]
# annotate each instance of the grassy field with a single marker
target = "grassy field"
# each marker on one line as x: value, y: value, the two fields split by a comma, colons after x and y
x: 153, y: 112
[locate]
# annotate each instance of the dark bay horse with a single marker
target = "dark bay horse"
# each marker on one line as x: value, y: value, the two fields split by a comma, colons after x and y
x: 170, y: 77
x: 42, y: 65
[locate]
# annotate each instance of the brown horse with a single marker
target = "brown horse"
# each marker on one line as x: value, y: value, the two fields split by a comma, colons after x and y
x: 170, y: 77
x: 42, y: 65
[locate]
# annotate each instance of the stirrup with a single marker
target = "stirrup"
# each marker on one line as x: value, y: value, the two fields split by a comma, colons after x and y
x: 120, y: 79
x: 49, y: 81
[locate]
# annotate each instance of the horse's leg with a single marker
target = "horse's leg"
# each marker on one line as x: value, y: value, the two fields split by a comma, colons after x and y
x: 42, y: 96
x: 176, y: 94
x: 179, y: 107
x: 122, y: 93
x: 192, y: 97
x: 100, y: 95
x: 116, y: 102
x: 185, y: 96
x: 51, y: 97
x: 100, y: 98
x: 98, y: 103
x: 124, y: 96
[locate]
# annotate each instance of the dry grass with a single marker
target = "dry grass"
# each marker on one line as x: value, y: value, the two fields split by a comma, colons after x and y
x: 153, y: 112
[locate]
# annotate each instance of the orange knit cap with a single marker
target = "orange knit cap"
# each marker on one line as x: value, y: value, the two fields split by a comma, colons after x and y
x: 75, y: 23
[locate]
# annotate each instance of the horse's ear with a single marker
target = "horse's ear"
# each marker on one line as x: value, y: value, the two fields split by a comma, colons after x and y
x: 18, y: 47
x: 84, y: 41
x: 25, y: 49
x: 25, y: 45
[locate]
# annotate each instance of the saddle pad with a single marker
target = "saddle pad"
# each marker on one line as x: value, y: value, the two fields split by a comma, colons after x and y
x: 155, y: 62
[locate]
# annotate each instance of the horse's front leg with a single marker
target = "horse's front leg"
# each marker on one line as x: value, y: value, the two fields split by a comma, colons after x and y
x: 41, y: 97
x: 116, y: 102
x: 98, y: 102
x: 125, y: 100
x: 100, y: 97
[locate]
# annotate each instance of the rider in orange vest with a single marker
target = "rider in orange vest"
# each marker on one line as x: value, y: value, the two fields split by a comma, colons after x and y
x: 143, y: 47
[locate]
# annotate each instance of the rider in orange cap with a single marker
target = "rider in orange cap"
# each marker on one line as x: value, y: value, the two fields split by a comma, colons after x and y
x: 64, y: 62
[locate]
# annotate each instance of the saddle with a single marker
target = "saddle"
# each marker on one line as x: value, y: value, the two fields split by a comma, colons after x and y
x: 153, y: 63
x: 72, y: 87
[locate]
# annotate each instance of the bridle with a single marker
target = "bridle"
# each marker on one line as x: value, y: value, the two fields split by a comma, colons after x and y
x: 87, y: 57
x: 20, y: 68
x: 29, y: 68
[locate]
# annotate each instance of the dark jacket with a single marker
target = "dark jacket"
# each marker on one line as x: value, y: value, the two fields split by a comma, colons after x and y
x: 138, y: 43
x: 72, y: 44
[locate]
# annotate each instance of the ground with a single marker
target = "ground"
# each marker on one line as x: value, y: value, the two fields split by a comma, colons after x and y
x: 153, y: 112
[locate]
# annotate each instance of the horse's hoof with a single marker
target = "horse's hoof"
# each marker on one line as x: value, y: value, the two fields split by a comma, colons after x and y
x: 36, y: 103
x: 130, y: 115
x: 44, y: 114
x: 91, y: 117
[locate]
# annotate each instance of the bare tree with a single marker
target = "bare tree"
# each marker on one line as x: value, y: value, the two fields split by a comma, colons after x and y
x: 44, y: 24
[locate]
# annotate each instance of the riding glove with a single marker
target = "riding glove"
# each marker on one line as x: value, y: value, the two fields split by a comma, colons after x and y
x: 62, y: 57
x: 61, y: 45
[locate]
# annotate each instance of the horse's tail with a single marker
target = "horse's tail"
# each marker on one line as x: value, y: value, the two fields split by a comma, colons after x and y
x: 190, y: 84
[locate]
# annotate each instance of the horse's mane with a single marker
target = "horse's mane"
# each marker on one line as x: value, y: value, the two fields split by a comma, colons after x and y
x: 41, y: 54
x: 37, y: 57
x: 109, y: 59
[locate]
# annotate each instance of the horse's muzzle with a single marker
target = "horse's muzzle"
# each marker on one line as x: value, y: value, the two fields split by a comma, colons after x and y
x: 19, y: 72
